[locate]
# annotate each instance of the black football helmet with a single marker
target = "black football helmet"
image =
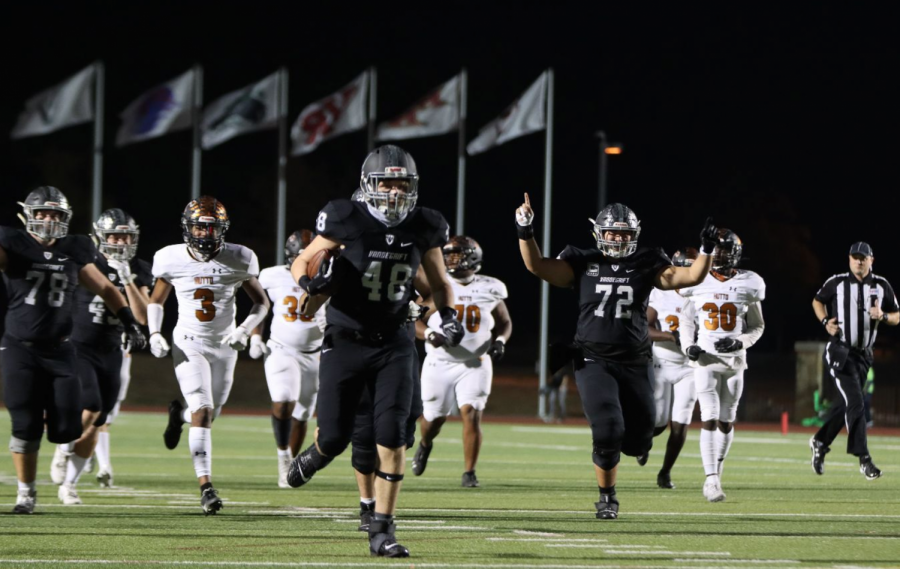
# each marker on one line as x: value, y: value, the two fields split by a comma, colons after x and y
x: 116, y: 222
x: 209, y: 214
x: 616, y: 217
x: 295, y: 244
x: 42, y: 199
x: 389, y: 162
x: 685, y: 256
x: 727, y: 254
x: 462, y: 253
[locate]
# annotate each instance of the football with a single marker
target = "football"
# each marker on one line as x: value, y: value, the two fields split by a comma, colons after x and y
x: 312, y: 269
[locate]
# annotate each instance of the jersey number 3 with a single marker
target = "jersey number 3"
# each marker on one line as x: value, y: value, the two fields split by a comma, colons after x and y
x: 207, y: 309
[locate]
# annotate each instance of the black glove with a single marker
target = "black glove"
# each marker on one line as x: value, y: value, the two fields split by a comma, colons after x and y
x: 320, y: 283
x: 709, y: 236
x: 451, y: 327
x: 134, y: 338
x: 693, y: 352
x: 726, y: 345
x: 496, y: 351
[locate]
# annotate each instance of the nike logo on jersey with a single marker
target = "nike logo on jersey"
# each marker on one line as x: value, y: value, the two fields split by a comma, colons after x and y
x: 406, y: 244
x: 629, y: 270
x: 324, y: 350
x: 62, y: 259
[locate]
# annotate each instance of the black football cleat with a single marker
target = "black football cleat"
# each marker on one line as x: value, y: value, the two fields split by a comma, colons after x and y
x: 642, y: 459
x: 469, y: 480
x: 382, y: 542
x: 173, y: 429
x: 868, y: 468
x: 420, y: 459
x: 210, y: 501
x: 819, y: 450
x: 664, y: 480
x: 301, y: 470
x: 607, y: 507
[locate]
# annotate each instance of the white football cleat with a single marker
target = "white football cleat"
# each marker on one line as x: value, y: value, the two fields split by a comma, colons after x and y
x: 59, y: 464
x: 25, y: 502
x: 105, y: 478
x: 68, y: 495
x: 284, y: 464
x: 712, y: 489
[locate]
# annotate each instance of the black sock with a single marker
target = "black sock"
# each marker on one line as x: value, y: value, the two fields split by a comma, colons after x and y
x: 203, y: 487
x: 383, y: 517
x: 864, y: 459
x: 611, y: 490
x: 472, y: 472
x: 363, y: 507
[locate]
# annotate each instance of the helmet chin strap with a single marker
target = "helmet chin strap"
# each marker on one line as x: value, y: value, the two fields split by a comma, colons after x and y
x: 380, y: 216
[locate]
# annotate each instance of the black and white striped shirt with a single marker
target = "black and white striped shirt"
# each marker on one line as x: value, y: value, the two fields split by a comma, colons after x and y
x: 849, y: 299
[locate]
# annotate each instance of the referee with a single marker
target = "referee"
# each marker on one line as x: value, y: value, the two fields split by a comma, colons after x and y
x: 851, y: 306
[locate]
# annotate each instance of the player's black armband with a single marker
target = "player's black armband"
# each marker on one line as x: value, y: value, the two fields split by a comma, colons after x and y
x: 126, y: 317
x: 525, y: 232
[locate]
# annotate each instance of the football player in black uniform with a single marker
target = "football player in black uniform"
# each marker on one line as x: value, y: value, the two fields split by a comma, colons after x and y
x: 613, y: 368
x: 42, y: 266
x: 366, y: 343
x: 97, y: 336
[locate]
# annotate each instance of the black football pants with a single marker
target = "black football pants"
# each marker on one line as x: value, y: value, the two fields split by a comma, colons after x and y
x: 350, y: 365
x: 100, y: 372
x: 850, y: 410
x: 39, y: 379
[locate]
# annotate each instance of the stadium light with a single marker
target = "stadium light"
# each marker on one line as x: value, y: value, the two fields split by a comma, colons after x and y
x: 606, y: 149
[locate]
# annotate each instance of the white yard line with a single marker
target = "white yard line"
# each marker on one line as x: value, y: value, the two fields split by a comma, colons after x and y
x: 384, y: 563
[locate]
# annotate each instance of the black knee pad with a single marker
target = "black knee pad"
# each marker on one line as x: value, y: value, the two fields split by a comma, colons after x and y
x: 605, y: 458
x: 331, y: 446
x: 363, y: 459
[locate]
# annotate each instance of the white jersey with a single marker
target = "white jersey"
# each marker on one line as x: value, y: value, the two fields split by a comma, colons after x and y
x: 726, y: 309
x: 206, y: 290
x: 668, y: 305
x: 290, y: 328
x: 474, y: 302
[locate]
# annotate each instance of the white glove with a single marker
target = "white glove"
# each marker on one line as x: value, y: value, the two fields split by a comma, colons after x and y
x: 524, y: 216
x: 124, y: 270
x: 415, y: 312
x: 237, y: 339
x: 158, y: 346
x: 258, y: 348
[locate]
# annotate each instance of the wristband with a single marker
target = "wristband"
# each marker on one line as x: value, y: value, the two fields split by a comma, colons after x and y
x: 825, y: 321
x: 525, y: 232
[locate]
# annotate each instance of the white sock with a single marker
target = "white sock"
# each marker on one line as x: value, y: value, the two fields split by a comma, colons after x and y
x: 186, y: 415
x: 367, y: 501
x: 74, y: 468
x: 708, y: 452
x: 29, y: 486
x: 200, y: 439
x: 102, y: 451
x: 67, y: 447
x: 282, y: 454
x: 723, y: 443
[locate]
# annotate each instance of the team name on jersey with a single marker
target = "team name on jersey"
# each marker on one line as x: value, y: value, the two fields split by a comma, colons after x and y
x: 617, y: 280
x: 388, y: 256
x: 204, y: 280
x: 720, y: 296
x: 47, y: 267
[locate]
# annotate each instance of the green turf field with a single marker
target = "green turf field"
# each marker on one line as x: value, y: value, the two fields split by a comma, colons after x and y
x: 534, y: 509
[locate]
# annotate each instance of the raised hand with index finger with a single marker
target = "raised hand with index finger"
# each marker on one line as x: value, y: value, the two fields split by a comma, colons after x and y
x: 524, y: 218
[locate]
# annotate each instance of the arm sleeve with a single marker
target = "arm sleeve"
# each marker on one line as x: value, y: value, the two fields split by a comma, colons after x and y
x: 154, y: 317
x: 255, y: 318
x: 755, y: 325
x: 687, y: 326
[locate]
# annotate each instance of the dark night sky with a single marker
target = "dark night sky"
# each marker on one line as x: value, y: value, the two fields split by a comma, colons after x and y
x: 779, y: 124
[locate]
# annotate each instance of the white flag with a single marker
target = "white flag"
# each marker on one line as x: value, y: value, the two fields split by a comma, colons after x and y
x: 69, y: 103
x: 252, y: 108
x: 163, y: 109
x: 341, y: 112
x: 436, y: 113
x: 526, y: 115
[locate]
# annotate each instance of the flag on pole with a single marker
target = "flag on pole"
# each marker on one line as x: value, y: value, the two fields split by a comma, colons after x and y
x: 253, y: 108
x: 339, y: 113
x: 66, y: 104
x: 163, y: 109
x: 436, y: 113
x: 527, y: 114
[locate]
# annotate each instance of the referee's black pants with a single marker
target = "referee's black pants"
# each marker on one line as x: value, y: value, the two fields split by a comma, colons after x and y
x: 851, y: 410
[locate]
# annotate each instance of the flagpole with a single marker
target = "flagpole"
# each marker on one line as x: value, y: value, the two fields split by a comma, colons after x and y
x: 97, y: 181
x: 545, y: 245
x: 281, y: 221
x: 461, y: 153
x: 196, y: 105
x: 373, y: 100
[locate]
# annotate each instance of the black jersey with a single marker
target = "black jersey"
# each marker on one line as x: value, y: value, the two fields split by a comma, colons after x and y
x: 374, y: 273
x: 613, y: 296
x: 41, y: 283
x: 95, y: 324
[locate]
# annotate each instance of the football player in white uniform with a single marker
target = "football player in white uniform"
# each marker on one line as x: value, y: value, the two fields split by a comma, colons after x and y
x: 673, y: 378
x: 206, y: 275
x: 728, y: 309
x: 466, y: 369
x: 291, y: 355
